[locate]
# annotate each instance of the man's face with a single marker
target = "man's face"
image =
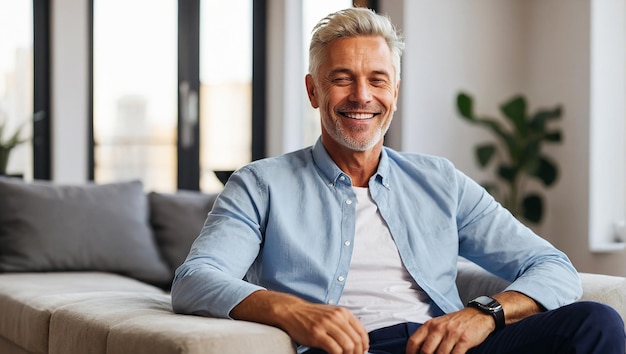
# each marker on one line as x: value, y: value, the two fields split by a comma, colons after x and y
x: 356, y: 91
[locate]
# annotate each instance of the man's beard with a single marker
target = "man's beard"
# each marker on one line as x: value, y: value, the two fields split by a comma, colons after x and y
x: 339, y: 134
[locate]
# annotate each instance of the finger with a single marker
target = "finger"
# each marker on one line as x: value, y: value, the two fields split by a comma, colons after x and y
x: 346, y: 332
x: 431, y: 343
x: 347, y: 340
x: 416, y: 340
x: 361, y: 333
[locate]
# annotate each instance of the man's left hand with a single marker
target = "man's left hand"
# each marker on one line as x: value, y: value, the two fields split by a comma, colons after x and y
x: 454, y: 333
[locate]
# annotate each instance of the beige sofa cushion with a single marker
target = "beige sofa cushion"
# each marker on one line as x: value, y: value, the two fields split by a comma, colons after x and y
x: 27, y: 301
x: 144, y: 323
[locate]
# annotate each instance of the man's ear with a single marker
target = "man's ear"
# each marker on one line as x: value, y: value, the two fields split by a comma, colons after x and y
x: 310, y: 90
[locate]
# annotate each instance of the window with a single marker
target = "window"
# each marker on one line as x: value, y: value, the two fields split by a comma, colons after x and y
x: 16, y: 81
x: 135, y: 92
x: 225, y: 88
x: 172, y: 100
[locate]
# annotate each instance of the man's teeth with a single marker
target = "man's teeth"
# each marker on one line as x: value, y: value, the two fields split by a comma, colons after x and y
x: 359, y: 115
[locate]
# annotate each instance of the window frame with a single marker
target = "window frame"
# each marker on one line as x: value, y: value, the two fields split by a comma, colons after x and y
x: 41, y: 90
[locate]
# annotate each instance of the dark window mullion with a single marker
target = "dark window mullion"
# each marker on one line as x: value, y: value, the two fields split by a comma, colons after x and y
x: 259, y: 70
x: 188, y: 75
x: 41, y: 87
x: 91, y: 165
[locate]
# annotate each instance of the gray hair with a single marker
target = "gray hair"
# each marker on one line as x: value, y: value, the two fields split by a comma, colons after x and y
x: 353, y: 22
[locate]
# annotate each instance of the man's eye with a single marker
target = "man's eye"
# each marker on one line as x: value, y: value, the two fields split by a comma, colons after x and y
x: 341, y: 80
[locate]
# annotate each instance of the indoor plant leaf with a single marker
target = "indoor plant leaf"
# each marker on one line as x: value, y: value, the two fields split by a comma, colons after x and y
x: 554, y: 136
x: 539, y: 120
x: 484, y: 153
x: 508, y: 173
x: 465, y: 106
x: 547, y: 171
x: 515, y: 111
x: 532, y: 207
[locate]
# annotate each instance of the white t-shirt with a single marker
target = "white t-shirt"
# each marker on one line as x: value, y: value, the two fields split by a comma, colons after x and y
x: 378, y: 290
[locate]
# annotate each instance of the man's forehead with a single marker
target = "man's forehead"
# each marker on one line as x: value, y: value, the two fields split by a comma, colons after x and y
x: 370, y: 51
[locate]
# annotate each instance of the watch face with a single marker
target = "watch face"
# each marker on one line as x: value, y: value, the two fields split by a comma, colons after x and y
x: 487, y: 303
x: 484, y: 300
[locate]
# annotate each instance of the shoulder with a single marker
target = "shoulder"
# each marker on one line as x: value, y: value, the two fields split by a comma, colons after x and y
x: 420, y: 161
x: 287, y: 162
x: 275, y: 170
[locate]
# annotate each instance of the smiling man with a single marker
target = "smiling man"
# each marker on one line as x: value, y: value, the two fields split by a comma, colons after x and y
x: 350, y: 247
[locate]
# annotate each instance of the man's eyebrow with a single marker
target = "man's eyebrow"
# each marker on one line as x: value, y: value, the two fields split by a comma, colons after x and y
x: 381, y: 72
x: 348, y: 71
x: 340, y: 71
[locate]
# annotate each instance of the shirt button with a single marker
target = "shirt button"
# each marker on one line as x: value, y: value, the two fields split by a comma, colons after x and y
x: 348, y: 201
x: 347, y: 243
x: 331, y: 184
x: 341, y: 278
x: 342, y: 178
x: 330, y: 302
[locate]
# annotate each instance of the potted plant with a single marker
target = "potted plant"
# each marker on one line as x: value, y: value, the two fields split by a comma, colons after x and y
x: 7, y: 144
x: 517, y: 154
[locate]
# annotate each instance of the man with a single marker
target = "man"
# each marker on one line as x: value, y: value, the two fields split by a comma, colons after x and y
x: 349, y: 246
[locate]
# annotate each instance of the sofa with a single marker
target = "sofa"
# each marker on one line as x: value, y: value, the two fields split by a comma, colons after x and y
x: 87, y: 268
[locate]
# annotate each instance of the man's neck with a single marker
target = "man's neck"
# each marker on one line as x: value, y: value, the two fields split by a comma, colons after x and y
x: 359, y: 165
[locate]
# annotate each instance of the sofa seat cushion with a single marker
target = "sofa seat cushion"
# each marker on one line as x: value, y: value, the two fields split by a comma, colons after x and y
x: 145, y: 323
x: 27, y: 300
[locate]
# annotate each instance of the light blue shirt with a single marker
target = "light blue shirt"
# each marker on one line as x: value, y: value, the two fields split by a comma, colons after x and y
x: 287, y: 224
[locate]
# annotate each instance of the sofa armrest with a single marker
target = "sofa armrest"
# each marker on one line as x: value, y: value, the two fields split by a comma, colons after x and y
x: 607, y: 289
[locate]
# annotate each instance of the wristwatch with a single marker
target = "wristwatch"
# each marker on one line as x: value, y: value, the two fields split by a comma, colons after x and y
x: 490, y: 306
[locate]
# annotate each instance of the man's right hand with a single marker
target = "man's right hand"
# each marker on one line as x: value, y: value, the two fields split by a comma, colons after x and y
x: 331, y: 328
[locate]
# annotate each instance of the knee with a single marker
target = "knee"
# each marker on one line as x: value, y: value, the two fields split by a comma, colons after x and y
x: 600, y: 317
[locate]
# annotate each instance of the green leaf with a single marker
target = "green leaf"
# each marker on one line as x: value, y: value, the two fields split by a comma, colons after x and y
x: 539, y: 120
x: 515, y: 110
x: 465, y: 105
x: 532, y: 208
x: 554, y: 136
x: 508, y: 173
x: 484, y: 153
x: 547, y: 172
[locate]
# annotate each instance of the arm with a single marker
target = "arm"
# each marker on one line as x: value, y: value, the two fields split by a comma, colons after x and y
x: 542, y: 276
x: 210, y: 282
x: 331, y: 328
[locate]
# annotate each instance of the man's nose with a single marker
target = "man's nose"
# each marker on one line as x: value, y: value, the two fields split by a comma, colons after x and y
x: 361, y: 92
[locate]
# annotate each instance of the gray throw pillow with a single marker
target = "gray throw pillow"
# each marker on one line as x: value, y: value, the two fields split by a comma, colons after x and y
x: 51, y: 227
x: 177, y: 219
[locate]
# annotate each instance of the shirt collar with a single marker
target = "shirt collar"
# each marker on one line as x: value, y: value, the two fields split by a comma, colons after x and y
x: 332, y: 172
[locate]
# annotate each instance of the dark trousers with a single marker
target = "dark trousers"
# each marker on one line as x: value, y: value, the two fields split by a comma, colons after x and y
x: 581, y: 328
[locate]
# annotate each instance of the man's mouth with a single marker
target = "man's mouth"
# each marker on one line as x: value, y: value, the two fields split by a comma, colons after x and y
x: 358, y: 116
